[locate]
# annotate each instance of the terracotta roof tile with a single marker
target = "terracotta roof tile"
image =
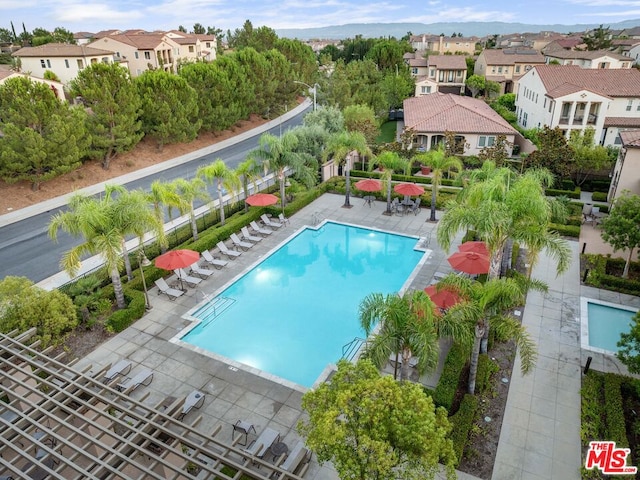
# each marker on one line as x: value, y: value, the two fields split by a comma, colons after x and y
x: 147, y: 41
x: 439, y: 112
x: 559, y: 80
x: 512, y: 56
x: 630, y: 138
x: 622, y: 122
x: 448, y: 62
x: 61, y: 50
x: 586, y: 55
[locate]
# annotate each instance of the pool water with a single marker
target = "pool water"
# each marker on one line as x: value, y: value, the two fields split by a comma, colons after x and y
x: 292, y: 313
x: 606, y: 323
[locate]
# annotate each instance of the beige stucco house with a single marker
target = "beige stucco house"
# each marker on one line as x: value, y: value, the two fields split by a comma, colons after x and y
x: 65, y: 60
x: 440, y: 44
x: 444, y: 73
x: 506, y: 66
x: 475, y: 124
x: 589, y: 59
x: 56, y: 87
x: 194, y: 46
x: 626, y: 173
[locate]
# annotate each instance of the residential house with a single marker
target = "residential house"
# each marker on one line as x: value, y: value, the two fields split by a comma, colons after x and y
x: 63, y: 59
x: 626, y: 173
x: 194, y: 47
x: 441, y: 44
x: 567, y: 43
x: 589, y: 59
x: 633, y: 52
x: 633, y: 32
x: 574, y: 98
x: 417, y: 63
x: 475, y: 124
x: 56, y: 87
x: 82, y: 38
x: 536, y: 41
x: 506, y: 66
x: 445, y: 74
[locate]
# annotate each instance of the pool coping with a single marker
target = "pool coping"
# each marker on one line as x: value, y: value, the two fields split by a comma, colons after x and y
x: 584, y: 322
x: 421, y: 243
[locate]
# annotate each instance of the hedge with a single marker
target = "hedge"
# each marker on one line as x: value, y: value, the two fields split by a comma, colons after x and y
x: 615, y: 425
x: 599, y: 197
x: 552, y: 192
x: 462, y: 422
x: 565, y: 230
x: 121, y: 319
x: 592, y: 407
x: 445, y: 391
x: 486, y: 369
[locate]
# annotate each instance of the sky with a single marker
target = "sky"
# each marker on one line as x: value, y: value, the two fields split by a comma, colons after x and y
x: 95, y: 15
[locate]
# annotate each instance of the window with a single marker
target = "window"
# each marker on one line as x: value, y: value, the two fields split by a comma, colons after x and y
x: 517, y: 68
x: 190, y: 48
x: 493, y: 69
x: 66, y: 63
x: 94, y: 60
x: 42, y: 64
x: 135, y: 54
x: 432, y: 73
x: 425, y: 89
x: 48, y: 63
x: 208, y: 44
x: 618, y: 140
x: 414, y: 70
x: 499, y: 69
x: 629, y: 105
x: 524, y: 119
x: 80, y: 64
x: 486, y: 141
x: 450, y: 76
x: 147, y: 56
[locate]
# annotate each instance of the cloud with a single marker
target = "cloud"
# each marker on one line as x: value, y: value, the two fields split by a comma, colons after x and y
x: 468, y: 13
x: 94, y: 13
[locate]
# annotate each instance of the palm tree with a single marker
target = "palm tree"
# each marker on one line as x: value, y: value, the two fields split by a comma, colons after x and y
x: 340, y: 147
x: 407, y: 328
x: 224, y: 178
x: 390, y: 162
x: 439, y: 163
x: 249, y: 171
x: 278, y: 155
x: 188, y: 192
x: 162, y: 195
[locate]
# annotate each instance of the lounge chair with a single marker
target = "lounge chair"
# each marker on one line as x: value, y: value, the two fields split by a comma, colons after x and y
x: 258, y: 229
x: 211, y: 260
x: 268, y: 222
x: 283, y: 220
x: 191, y: 281
x: 261, y: 445
x: 299, y: 455
x: 201, y: 272
x: 121, y: 367
x: 172, y: 293
x: 246, y: 234
x: 194, y: 400
x: 239, y: 243
x: 143, y: 377
x: 224, y: 249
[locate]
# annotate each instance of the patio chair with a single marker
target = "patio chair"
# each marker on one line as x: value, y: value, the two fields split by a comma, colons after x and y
x: 194, y: 400
x: 201, y: 272
x: 224, y: 249
x: 121, y: 367
x: 246, y: 234
x: 416, y: 206
x: 143, y: 377
x: 188, y: 279
x: 172, y: 293
x: 586, y: 212
x: 239, y: 243
x: 261, y: 445
x: 268, y: 222
x: 258, y: 229
x: 211, y: 260
x: 283, y: 220
x: 299, y: 455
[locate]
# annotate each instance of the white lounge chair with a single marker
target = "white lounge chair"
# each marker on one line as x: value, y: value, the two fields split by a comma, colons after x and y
x: 261, y: 445
x: 121, y: 367
x: 268, y: 222
x: 246, y: 234
x: 258, y: 229
x: 210, y: 259
x: 299, y: 454
x: 239, y: 243
x: 283, y: 220
x: 201, y: 272
x: 143, y: 377
x: 172, y: 293
x: 191, y: 281
x: 228, y: 252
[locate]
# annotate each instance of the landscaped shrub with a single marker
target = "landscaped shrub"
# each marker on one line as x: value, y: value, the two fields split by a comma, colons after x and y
x: 592, y: 407
x: 615, y: 427
x: 552, y: 192
x: 599, y: 197
x: 565, y: 230
x: 446, y: 389
x: 486, y: 369
x: 462, y: 422
x: 121, y: 319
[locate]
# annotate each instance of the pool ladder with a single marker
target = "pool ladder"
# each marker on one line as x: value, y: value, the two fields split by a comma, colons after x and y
x: 352, y: 348
x: 209, y: 312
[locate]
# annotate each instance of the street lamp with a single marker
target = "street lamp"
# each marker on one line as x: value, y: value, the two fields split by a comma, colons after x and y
x: 143, y: 261
x: 315, y: 86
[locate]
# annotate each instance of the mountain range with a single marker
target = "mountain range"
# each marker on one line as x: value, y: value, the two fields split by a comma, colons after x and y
x: 467, y: 29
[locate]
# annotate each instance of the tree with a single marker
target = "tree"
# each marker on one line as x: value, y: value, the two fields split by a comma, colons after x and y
x: 114, y: 103
x: 389, y: 54
x: 390, y: 162
x: 361, y: 118
x: 476, y: 83
x: 248, y: 171
x: 629, y: 346
x: 553, y: 153
x: 439, y: 163
x: 372, y: 427
x: 397, y: 86
x: 260, y: 39
x: 169, y: 107
x: 329, y: 118
x: 498, y: 153
x: 182, y: 29
x: 224, y: 179
x: 340, y: 147
x: 588, y: 158
x: 42, y: 137
x: 621, y: 229
x: 162, y: 195
x: 598, y: 39
x: 198, y: 29
x: 190, y: 191
x: 24, y: 305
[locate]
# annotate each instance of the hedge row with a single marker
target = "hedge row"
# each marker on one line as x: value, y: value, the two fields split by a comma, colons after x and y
x: 598, y: 276
x: 462, y: 422
x: 552, y: 192
x: 484, y: 374
x: 599, y: 196
x: 446, y: 389
x: 401, y: 178
x: 615, y: 426
x: 592, y: 407
x: 121, y: 319
x: 565, y: 230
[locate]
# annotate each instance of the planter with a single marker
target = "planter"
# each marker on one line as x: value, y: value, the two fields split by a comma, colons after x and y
x: 425, y: 170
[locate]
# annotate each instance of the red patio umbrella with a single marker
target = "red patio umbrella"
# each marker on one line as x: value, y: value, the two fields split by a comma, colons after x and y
x: 478, y: 247
x: 469, y: 262
x: 368, y: 185
x: 176, y: 259
x: 444, y: 298
x: 409, y: 189
x: 261, y: 199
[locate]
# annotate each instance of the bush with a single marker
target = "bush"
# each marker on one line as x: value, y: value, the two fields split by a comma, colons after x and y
x: 565, y: 230
x: 121, y: 319
x: 552, y: 192
x: 615, y: 425
x: 599, y: 197
x: 462, y: 422
x: 591, y: 407
x: 486, y: 369
x: 445, y: 391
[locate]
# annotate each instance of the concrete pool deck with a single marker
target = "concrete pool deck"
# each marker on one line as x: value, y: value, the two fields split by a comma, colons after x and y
x: 541, y: 424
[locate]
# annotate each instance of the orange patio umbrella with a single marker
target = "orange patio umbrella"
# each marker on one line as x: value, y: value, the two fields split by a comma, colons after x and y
x: 409, y: 189
x: 261, y: 199
x: 469, y: 262
x: 444, y: 298
x: 368, y: 185
x: 478, y: 247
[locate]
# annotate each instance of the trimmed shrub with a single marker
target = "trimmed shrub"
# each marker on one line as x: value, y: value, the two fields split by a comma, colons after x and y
x: 486, y: 369
x: 121, y: 319
x: 615, y: 425
x: 599, y: 197
x: 592, y: 407
x: 445, y: 391
x: 462, y: 422
x: 552, y: 192
x: 565, y: 230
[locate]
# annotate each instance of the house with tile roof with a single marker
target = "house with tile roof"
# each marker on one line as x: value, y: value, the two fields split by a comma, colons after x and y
x: 566, y: 43
x: 574, y: 98
x: 475, y: 124
x: 445, y: 74
x: 193, y: 46
x: 626, y: 173
x: 56, y: 87
x: 506, y: 66
x: 63, y: 59
x: 441, y: 44
x: 589, y: 58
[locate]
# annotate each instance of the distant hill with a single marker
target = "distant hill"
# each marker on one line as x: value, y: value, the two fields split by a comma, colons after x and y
x: 467, y: 29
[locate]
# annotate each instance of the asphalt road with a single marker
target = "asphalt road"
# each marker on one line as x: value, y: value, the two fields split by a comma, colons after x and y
x: 27, y: 251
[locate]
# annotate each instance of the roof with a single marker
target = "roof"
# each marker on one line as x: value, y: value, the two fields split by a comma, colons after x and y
x: 624, y: 122
x: 586, y: 55
x: 440, y: 112
x: 630, y: 138
x: 61, y: 50
x: 106, y: 33
x: 447, y: 62
x: 512, y: 56
x: 142, y: 41
x: 418, y: 62
x: 561, y: 80
x: 78, y: 35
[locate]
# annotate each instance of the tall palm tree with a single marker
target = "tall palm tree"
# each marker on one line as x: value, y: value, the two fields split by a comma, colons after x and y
x: 439, y: 163
x: 250, y: 172
x: 390, y: 162
x: 407, y: 328
x: 188, y: 192
x: 339, y: 147
x: 278, y: 155
x: 224, y: 179
x: 162, y: 195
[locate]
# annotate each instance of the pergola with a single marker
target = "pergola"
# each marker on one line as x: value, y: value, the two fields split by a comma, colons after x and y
x: 66, y: 423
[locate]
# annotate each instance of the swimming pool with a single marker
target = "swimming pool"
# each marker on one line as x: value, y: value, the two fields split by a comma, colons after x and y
x: 602, y: 323
x: 290, y: 315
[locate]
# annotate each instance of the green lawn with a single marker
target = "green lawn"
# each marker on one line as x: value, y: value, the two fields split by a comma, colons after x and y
x: 387, y: 132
